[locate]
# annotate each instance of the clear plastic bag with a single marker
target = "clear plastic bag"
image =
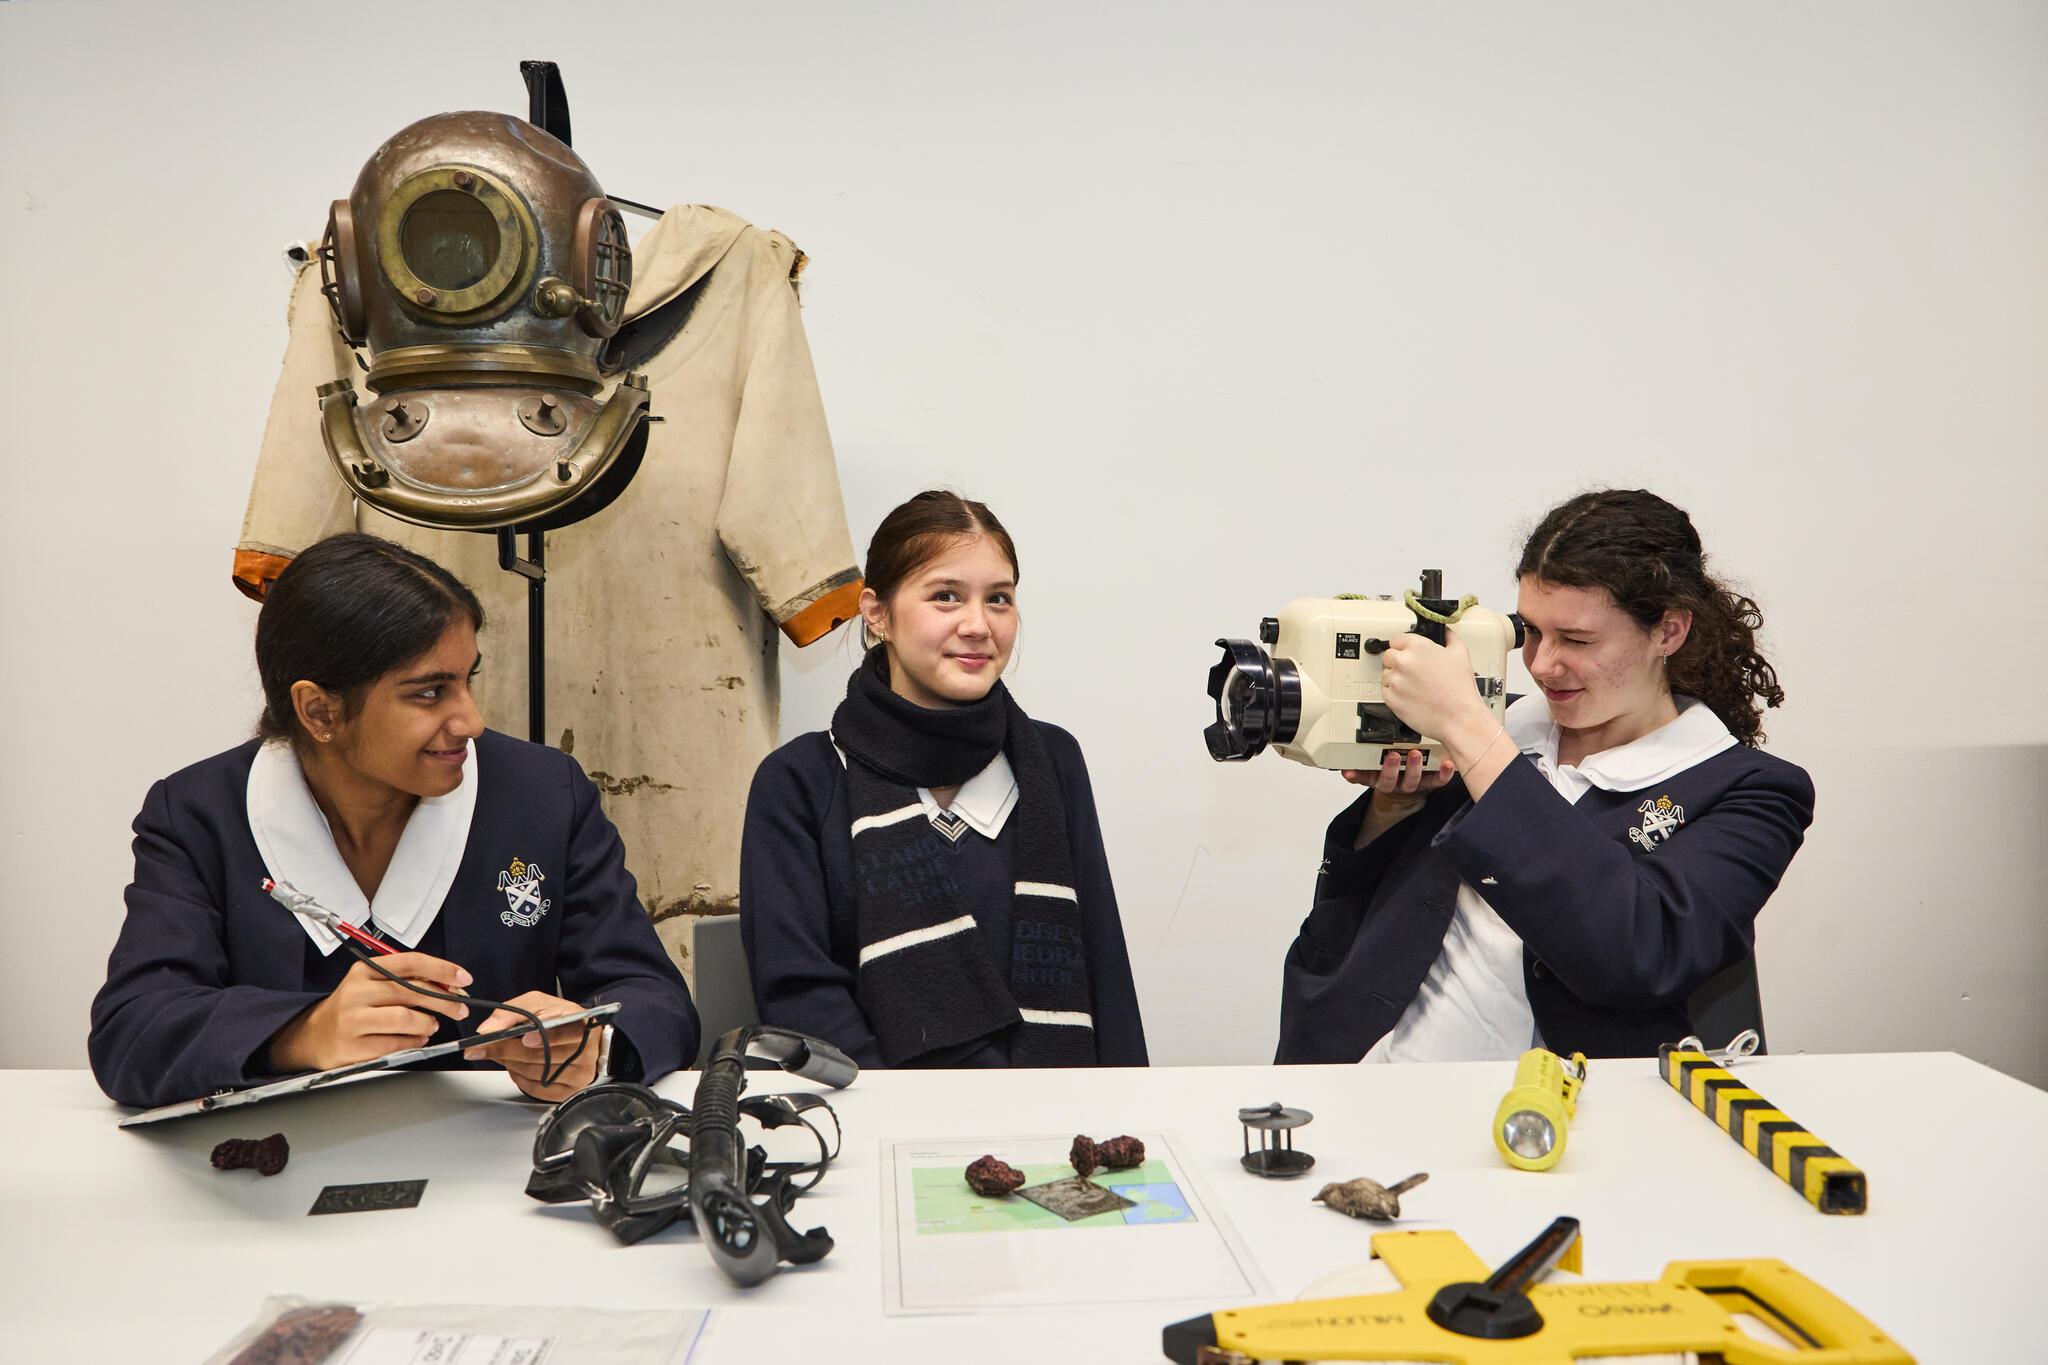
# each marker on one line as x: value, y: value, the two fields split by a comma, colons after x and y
x: 291, y: 1330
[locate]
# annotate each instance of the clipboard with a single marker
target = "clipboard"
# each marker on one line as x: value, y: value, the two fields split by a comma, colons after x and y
x: 390, y: 1061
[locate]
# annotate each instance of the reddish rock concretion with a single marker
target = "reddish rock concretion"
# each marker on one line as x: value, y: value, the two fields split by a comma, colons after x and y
x: 993, y: 1179
x: 1115, y: 1154
x: 1121, y: 1153
x: 266, y: 1155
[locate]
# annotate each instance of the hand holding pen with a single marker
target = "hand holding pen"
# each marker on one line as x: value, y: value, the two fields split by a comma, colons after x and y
x: 369, y: 1014
x: 390, y: 1000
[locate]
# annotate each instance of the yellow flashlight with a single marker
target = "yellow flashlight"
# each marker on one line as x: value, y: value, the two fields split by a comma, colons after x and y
x: 1529, y: 1127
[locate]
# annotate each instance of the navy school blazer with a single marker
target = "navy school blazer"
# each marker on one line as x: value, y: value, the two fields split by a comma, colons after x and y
x: 207, y: 966
x: 1623, y: 913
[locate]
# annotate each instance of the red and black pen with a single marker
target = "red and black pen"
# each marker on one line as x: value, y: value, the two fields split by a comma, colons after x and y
x: 302, y: 903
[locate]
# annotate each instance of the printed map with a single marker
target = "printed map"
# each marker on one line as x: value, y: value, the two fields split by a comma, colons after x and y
x: 945, y: 1204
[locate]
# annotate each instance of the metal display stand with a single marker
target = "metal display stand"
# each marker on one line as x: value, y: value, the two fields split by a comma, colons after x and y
x: 534, y: 570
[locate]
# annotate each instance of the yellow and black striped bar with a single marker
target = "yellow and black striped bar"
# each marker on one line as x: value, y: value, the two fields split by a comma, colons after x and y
x: 1828, y: 1181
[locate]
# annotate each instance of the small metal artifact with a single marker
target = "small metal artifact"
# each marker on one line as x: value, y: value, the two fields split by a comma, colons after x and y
x: 1276, y: 1158
x: 1364, y: 1198
x: 992, y: 1178
x: 1115, y: 1154
x: 266, y: 1155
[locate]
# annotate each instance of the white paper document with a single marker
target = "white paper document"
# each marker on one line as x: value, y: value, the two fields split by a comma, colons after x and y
x: 477, y: 1334
x: 1141, y: 1235
x: 443, y: 1346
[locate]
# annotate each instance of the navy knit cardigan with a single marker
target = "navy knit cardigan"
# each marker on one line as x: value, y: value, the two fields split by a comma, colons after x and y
x: 797, y: 916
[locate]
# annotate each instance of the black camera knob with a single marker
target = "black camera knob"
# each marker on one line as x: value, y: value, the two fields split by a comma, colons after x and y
x: 1269, y: 630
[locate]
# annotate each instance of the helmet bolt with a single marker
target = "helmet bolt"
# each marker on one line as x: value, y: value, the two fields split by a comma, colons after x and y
x: 544, y: 416
x: 463, y: 180
x: 404, y: 420
x: 424, y: 295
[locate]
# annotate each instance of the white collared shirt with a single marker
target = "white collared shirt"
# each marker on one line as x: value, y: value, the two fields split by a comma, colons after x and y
x: 297, y: 847
x: 984, y: 800
x: 1474, y: 1004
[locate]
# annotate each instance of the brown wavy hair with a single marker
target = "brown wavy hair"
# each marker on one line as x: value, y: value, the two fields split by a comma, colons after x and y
x: 1646, y: 554
x: 920, y: 530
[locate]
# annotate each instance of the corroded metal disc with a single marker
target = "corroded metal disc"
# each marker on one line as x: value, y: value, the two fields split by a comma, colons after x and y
x: 1277, y: 1163
x: 1273, y: 1117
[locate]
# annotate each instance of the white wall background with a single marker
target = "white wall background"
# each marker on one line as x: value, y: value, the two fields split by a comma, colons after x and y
x: 1217, y: 305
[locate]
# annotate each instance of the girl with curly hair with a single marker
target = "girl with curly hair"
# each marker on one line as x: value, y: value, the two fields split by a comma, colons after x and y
x: 1571, y: 879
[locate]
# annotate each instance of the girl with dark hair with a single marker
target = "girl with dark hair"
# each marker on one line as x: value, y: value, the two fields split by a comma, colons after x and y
x: 925, y: 883
x: 373, y: 785
x: 1569, y: 880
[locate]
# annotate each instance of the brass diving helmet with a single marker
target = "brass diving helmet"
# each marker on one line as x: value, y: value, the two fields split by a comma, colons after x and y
x: 481, y: 265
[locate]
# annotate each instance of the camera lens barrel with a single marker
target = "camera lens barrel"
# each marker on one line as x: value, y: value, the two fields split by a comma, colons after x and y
x: 1258, y: 702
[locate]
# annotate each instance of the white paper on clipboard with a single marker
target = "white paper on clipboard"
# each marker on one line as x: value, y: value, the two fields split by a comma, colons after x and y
x: 946, y: 1249
x: 376, y: 1066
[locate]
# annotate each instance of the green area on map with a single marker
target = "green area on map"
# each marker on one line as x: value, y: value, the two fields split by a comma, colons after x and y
x: 945, y: 1204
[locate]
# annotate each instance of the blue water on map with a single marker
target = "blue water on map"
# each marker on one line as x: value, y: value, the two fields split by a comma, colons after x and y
x: 1156, y: 1204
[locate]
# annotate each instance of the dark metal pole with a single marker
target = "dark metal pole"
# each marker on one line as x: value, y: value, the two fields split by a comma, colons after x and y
x: 536, y: 639
x: 533, y: 569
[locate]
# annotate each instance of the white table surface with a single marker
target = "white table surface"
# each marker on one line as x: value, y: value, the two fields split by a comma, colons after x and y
x: 127, y: 1245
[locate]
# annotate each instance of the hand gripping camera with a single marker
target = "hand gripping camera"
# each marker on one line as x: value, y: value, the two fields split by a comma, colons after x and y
x: 1316, y: 698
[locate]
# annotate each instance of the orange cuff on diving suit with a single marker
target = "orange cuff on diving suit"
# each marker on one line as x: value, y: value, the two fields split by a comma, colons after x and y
x: 823, y: 616
x: 256, y: 570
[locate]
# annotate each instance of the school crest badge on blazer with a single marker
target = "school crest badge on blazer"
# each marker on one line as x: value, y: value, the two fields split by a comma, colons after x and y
x: 1661, y: 819
x: 524, y: 904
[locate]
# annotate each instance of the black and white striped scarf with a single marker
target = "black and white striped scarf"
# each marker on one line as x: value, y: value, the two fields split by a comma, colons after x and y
x: 925, y: 981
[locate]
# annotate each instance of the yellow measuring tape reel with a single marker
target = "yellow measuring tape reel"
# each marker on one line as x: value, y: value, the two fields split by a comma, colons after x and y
x: 1445, y: 1313
x: 1824, y: 1177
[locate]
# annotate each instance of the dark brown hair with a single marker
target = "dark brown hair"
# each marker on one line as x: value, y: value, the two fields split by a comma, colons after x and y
x: 345, y: 612
x: 1647, y: 556
x: 920, y: 530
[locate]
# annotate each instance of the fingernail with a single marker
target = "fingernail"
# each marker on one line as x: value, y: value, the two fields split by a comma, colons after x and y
x: 462, y: 977
x: 462, y: 1011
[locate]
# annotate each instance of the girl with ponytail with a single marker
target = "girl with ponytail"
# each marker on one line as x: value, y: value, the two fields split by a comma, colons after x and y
x: 924, y: 884
x: 1571, y: 879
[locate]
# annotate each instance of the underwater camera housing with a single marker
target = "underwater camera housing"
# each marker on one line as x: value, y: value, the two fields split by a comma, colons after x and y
x: 1316, y: 697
